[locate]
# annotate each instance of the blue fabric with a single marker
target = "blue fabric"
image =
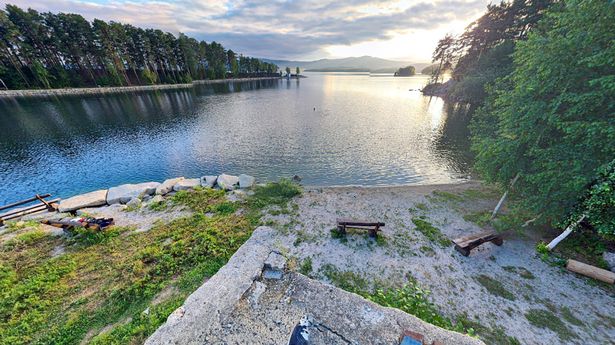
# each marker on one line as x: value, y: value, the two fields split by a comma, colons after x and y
x: 406, y: 340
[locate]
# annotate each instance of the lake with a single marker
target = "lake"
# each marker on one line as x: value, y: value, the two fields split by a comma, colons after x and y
x: 329, y: 128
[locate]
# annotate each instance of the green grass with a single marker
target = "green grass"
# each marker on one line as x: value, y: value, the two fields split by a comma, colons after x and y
x: 306, y: 267
x: 521, y: 271
x: 422, y: 206
x: 110, y: 277
x: 496, y: 335
x: 494, y: 287
x: 546, y: 319
x: 480, y: 218
x: 410, y: 298
x: 432, y: 233
x: 447, y: 196
x: 570, y: 318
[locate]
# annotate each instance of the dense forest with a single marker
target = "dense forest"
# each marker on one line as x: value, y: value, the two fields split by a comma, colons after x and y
x: 539, y: 77
x: 49, y: 50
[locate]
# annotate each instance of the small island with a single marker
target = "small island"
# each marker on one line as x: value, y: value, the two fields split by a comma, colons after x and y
x: 407, y: 71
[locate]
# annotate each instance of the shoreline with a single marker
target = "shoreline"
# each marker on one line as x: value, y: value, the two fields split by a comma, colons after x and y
x: 34, y: 93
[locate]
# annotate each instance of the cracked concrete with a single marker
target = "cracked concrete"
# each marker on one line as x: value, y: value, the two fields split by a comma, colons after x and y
x: 240, y: 306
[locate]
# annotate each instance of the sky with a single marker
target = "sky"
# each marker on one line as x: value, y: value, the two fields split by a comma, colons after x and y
x: 287, y: 29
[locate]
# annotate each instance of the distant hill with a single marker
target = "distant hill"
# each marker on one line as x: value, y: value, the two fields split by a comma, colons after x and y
x: 350, y: 64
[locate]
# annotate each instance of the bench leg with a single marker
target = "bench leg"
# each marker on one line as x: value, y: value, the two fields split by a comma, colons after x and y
x: 341, y: 229
x: 463, y: 251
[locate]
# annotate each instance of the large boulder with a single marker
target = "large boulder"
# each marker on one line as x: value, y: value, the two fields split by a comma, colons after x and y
x: 208, y: 181
x: 227, y: 182
x: 167, y: 186
x: 91, y: 199
x: 185, y: 184
x: 246, y: 181
x: 122, y: 194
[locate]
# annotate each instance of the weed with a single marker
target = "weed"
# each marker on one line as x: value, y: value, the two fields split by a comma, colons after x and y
x: 480, y: 218
x: 427, y: 250
x: 521, y: 271
x: 496, y: 335
x: 569, y: 316
x: 26, y: 239
x: 546, y: 319
x: 158, y: 206
x: 422, y: 206
x: 432, y: 233
x: 447, y: 196
x: 306, y: 267
x: 494, y: 287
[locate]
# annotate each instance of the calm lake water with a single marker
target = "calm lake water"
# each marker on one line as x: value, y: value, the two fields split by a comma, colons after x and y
x: 330, y: 129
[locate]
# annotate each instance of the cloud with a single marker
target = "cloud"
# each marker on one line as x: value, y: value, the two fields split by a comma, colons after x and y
x: 278, y: 28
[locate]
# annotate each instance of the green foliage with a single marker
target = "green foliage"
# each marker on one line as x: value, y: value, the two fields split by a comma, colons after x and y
x: 103, y: 278
x: 274, y: 193
x: 431, y: 232
x: 89, y: 237
x: 405, y: 71
x: 546, y: 319
x: 306, y: 267
x: 48, y: 50
x: 549, y: 119
x: 495, y: 287
x: 599, y: 203
x: 199, y: 200
x: 414, y: 300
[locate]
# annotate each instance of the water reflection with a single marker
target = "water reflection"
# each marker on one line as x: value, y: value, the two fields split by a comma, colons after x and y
x: 331, y: 129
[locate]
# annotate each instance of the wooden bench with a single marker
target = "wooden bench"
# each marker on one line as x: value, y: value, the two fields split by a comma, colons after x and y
x: 465, y: 244
x: 371, y: 227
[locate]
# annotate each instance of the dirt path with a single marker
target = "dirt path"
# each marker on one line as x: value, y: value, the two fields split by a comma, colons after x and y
x: 509, y: 293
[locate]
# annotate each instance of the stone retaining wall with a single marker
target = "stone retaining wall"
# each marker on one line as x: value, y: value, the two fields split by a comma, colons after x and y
x: 109, y: 90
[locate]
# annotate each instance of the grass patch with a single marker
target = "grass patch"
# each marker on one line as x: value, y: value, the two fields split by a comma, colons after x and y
x: 427, y: 250
x: 546, y: 319
x: 422, y: 206
x: 447, y: 196
x: 480, y: 218
x: 494, y: 287
x: 521, y: 271
x: 158, y: 206
x: 570, y: 318
x: 109, y: 276
x: 411, y: 298
x: 12, y: 226
x: 306, y: 267
x: 496, y: 335
x: 432, y: 233
x: 199, y: 200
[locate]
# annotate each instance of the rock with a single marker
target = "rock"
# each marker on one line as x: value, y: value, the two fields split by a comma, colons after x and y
x: 91, y: 199
x: 134, y: 203
x: 156, y: 199
x: 246, y: 181
x: 208, y: 181
x: 274, y: 266
x: 167, y: 185
x: 185, y: 184
x: 297, y: 178
x: 122, y: 194
x: 227, y: 182
x: 610, y: 260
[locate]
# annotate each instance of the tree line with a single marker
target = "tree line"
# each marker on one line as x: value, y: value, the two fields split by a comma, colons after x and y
x: 55, y: 50
x: 539, y: 77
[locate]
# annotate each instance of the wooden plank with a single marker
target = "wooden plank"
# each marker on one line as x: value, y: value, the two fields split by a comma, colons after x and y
x: 354, y: 222
x: 27, y: 210
x: 5, y: 207
x: 591, y: 271
x: 474, y: 236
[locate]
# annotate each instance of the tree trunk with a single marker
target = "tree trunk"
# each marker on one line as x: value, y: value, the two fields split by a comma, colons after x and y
x: 564, y: 234
x: 497, y: 207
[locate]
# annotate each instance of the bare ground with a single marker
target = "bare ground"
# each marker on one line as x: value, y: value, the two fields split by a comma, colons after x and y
x: 508, y: 291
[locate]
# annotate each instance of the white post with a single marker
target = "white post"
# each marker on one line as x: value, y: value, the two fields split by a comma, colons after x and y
x: 497, y: 207
x: 564, y: 234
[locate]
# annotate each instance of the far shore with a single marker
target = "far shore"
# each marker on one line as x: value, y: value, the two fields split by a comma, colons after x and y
x: 27, y: 93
